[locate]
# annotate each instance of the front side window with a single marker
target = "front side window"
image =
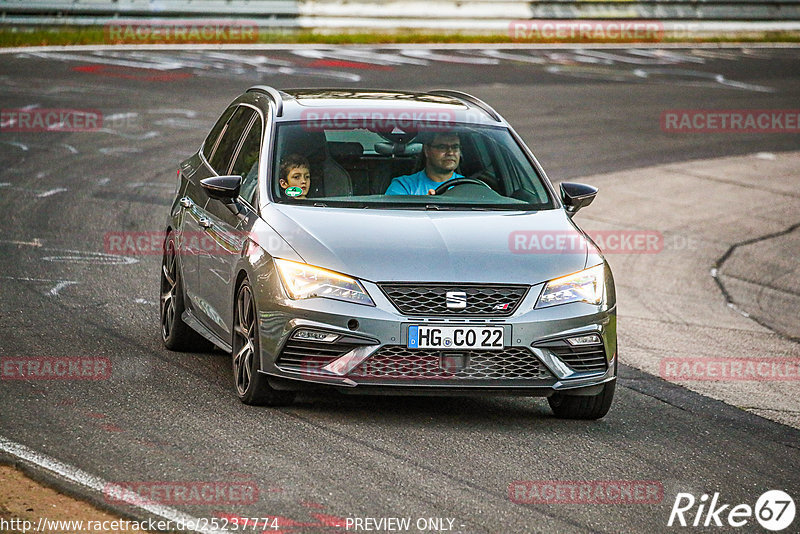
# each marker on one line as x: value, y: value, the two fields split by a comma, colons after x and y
x: 232, y: 134
x: 246, y: 163
x: 211, y: 141
x: 360, y: 167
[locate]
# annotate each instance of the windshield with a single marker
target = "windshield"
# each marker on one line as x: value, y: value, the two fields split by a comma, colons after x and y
x: 458, y: 167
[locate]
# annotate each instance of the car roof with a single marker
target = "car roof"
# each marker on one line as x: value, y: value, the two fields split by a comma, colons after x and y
x: 315, y: 103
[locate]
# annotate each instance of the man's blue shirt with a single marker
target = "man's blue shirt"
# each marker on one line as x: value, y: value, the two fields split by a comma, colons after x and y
x: 414, y: 184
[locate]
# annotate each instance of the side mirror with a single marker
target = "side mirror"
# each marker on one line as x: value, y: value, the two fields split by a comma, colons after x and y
x: 224, y: 188
x: 576, y: 196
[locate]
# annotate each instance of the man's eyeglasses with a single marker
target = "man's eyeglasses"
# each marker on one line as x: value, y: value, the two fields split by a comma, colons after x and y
x: 447, y: 148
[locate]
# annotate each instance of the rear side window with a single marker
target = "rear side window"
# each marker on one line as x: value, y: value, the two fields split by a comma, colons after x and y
x: 211, y: 140
x: 232, y: 134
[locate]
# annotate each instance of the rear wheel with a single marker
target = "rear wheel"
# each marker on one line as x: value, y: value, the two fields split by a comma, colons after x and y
x: 251, y: 386
x: 583, y: 406
x: 176, y: 334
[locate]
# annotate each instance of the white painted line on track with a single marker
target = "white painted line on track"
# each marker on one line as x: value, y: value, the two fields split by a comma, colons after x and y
x: 27, y: 279
x: 52, y: 192
x: 21, y: 146
x: 97, y: 484
x: 77, y: 256
x: 117, y: 116
x: 427, y: 54
x: 35, y: 243
x: 59, y: 286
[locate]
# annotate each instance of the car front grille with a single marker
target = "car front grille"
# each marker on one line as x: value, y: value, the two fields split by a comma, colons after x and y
x: 398, y: 362
x: 310, y: 356
x: 581, y: 359
x: 431, y: 299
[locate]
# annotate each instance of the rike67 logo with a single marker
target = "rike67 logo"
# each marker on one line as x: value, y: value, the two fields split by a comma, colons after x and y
x: 774, y: 510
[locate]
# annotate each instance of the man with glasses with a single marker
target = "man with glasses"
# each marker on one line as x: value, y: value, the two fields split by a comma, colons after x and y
x: 442, y: 156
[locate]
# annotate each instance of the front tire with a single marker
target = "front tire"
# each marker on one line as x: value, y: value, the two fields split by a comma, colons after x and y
x: 583, y: 406
x: 251, y: 386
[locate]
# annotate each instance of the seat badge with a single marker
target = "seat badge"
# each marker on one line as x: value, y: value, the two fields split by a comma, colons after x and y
x: 456, y: 300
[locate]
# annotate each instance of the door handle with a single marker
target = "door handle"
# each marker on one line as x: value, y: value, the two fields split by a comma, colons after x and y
x: 186, y: 202
x: 204, y: 222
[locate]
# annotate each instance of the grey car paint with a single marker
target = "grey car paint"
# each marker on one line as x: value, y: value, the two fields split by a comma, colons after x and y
x: 373, y: 246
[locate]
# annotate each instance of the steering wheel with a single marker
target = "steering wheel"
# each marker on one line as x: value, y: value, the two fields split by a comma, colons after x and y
x: 459, y: 181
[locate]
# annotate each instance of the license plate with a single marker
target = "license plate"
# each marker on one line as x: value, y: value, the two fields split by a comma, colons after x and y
x: 456, y: 337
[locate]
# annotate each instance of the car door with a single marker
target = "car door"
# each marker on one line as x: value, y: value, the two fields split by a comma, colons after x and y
x: 192, y: 201
x: 225, y: 229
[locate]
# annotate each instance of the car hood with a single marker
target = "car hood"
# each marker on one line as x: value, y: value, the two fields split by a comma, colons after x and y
x: 431, y: 246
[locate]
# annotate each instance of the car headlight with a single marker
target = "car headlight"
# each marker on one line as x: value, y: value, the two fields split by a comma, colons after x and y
x: 584, y: 286
x: 303, y: 281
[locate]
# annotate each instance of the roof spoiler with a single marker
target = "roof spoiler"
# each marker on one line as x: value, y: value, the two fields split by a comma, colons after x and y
x: 464, y: 97
x: 273, y: 93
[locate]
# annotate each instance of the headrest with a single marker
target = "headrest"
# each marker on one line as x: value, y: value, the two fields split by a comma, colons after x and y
x: 306, y: 143
x: 345, y: 149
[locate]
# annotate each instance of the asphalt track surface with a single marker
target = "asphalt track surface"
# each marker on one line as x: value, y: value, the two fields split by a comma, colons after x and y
x: 173, y: 417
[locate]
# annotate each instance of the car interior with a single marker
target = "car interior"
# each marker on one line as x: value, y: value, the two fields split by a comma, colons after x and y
x: 362, y: 163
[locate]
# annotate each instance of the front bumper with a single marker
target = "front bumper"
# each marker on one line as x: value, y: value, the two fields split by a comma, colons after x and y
x: 369, y: 351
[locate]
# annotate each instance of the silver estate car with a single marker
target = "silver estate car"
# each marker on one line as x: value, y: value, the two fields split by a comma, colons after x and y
x: 386, y: 242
